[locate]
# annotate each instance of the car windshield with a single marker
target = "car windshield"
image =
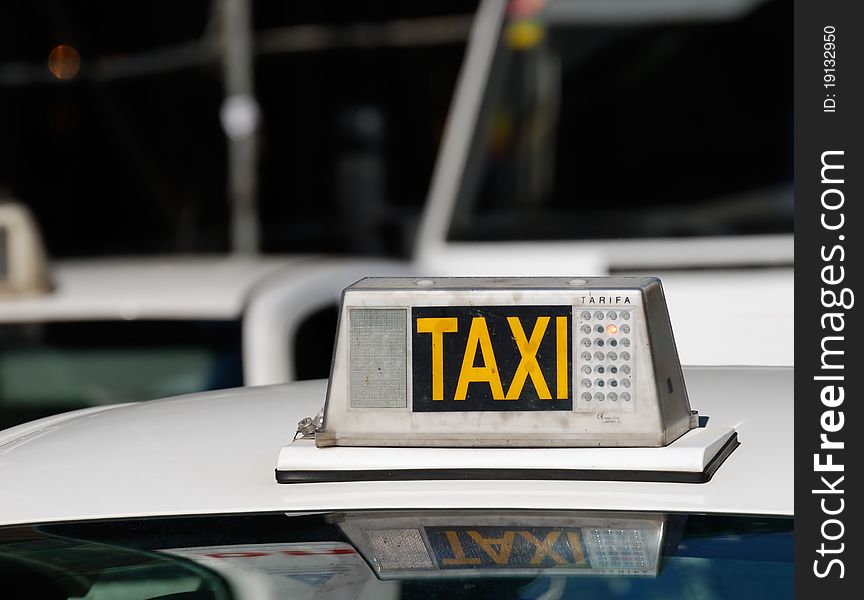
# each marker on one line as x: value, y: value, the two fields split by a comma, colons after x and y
x: 601, y: 129
x: 46, y: 368
x: 444, y: 554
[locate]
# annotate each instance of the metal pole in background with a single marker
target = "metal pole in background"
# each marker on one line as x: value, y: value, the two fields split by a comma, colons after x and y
x: 240, y: 116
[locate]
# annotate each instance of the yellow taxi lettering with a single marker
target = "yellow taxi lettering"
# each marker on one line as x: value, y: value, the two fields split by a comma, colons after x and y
x: 561, y: 354
x: 544, y: 549
x: 437, y: 326
x: 528, y: 362
x: 478, y: 335
x: 459, y: 557
x: 499, y: 555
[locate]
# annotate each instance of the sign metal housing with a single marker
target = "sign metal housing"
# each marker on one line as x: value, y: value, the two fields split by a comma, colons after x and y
x: 505, y: 362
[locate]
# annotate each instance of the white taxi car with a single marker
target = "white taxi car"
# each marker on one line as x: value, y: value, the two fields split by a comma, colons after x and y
x: 620, y: 137
x: 474, y: 440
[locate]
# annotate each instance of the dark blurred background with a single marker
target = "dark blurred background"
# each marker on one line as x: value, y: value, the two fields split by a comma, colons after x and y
x: 231, y: 128
x: 210, y: 126
x: 122, y: 125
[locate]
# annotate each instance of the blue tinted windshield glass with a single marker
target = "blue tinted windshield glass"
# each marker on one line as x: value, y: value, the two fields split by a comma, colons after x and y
x: 698, y: 556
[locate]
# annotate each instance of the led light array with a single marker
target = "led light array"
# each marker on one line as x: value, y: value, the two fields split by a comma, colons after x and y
x: 605, y: 365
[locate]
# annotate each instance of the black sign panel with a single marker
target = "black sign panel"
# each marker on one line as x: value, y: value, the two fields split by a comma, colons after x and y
x: 489, y: 358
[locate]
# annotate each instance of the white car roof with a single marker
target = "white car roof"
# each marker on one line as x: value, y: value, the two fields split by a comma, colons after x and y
x: 164, y: 287
x: 215, y: 453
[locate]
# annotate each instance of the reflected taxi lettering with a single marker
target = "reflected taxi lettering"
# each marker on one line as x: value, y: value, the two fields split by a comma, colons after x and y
x: 491, y: 358
x: 466, y: 547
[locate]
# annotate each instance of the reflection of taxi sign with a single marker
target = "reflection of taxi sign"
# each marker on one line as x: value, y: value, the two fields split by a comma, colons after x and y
x: 502, y: 364
x: 518, y: 544
x: 507, y: 547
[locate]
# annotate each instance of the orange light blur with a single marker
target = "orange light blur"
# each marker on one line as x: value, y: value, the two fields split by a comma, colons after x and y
x: 64, y: 62
x: 612, y: 329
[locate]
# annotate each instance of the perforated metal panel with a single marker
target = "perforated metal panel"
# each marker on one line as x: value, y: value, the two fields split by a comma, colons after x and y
x: 398, y: 549
x: 378, y: 358
x: 623, y: 550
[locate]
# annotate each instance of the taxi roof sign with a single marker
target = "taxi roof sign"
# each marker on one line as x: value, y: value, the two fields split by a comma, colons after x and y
x: 496, y: 378
x: 505, y: 362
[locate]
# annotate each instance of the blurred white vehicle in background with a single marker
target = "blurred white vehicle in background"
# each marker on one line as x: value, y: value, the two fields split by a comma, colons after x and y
x: 88, y: 332
x: 620, y: 137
